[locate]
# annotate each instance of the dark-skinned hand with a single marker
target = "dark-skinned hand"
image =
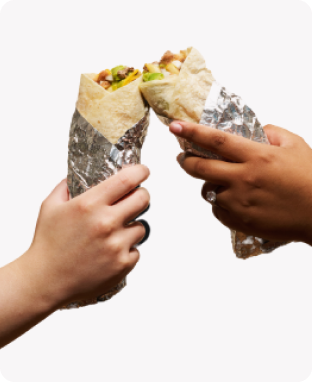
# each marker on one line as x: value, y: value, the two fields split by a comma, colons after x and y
x: 264, y: 190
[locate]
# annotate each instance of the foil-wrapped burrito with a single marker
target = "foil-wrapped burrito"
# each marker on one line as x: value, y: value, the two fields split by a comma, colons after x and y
x: 184, y: 89
x: 107, y: 132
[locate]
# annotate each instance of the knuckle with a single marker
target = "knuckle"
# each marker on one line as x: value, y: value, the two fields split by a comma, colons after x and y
x: 245, y: 203
x: 253, y: 180
x: 117, y: 247
x: 125, y: 261
x: 105, y: 227
x: 266, y: 157
x: 84, y: 206
x: 218, y: 139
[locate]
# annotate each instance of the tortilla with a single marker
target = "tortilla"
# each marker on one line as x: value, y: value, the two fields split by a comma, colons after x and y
x: 159, y: 93
x: 112, y: 114
x: 181, y: 96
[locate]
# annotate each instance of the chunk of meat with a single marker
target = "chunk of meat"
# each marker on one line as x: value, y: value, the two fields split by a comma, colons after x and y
x: 102, y: 75
x: 167, y: 57
x: 122, y: 74
x: 105, y: 84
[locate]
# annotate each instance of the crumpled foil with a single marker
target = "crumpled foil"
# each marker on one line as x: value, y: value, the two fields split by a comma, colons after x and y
x: 93, y: 159
x: 227, y: 112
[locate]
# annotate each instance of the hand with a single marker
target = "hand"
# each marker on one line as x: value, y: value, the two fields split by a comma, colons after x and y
x: 84, y: 247
x: 267, y: 192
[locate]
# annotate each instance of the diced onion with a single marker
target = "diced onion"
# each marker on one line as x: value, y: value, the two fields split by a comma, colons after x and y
x: 177, y: 64
x: 109, y: 78
x: 165, y: 72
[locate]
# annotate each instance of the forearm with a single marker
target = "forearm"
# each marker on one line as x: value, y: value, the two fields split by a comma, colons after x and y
x: 22, y: 301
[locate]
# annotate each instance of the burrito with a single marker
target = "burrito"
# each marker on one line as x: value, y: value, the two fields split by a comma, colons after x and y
x: 181, y: 87
x: 107, y: 132
x: 111, y: 101
x: 178, y: 85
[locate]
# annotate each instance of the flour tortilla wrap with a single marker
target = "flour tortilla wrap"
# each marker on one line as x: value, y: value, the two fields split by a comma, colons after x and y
x: 181, y: 96
x: 107, y: 133
x: 193, y: 95
x: 112, y: 114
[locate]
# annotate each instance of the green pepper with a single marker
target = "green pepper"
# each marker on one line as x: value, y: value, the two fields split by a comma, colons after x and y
x: 115, y: 71
x: 120, y: 84
x: 146, y: 76
x: 115, y: 85
x: 152, y: 76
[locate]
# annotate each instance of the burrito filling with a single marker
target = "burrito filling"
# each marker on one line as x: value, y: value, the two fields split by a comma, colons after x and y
x: 169, y: 64
x: 116, y: 78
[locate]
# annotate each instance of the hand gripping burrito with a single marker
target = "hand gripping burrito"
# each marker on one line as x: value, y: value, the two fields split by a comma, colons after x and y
x: 181, y: 87
x: 107, y: 132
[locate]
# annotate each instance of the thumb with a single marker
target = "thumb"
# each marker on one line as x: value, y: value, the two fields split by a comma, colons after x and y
x: 278, y: 136
x: 59, y: 195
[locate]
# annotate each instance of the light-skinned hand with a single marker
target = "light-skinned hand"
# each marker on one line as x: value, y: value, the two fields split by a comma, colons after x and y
x: 85, y: 246
x: 82, y: 248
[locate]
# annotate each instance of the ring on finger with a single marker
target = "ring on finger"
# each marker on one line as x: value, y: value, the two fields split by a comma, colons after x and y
x: 211, y: 197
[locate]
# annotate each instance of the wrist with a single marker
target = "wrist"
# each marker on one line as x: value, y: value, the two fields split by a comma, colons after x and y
x: 22, y: 299
x: 37, y: 283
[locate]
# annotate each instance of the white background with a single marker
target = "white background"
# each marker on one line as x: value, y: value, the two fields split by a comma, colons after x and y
x: 191, y: 311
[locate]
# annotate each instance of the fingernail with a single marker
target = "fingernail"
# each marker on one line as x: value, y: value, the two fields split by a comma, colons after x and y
x: 147, y: 231
x: 175, y: 128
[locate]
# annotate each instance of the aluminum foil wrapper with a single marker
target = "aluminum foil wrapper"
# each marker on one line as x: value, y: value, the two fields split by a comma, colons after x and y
x: 227, y: 112
x: 93, y: 159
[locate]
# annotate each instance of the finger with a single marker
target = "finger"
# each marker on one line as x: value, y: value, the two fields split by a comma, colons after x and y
x: 59, y: 195
x: 130, y: 260
x: 207, y: 187
x: 219, y: 190
x: 120, y: 184
x: 215, y: 171
x: 233, y: 147
x: 136, y: 233
x: 147, y: 231
x: 279, y: 137
x: 134, y: 256
x: 231, y: 221
x: 224, y: 217
x: 144, y: 212
x: 132, y: 205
